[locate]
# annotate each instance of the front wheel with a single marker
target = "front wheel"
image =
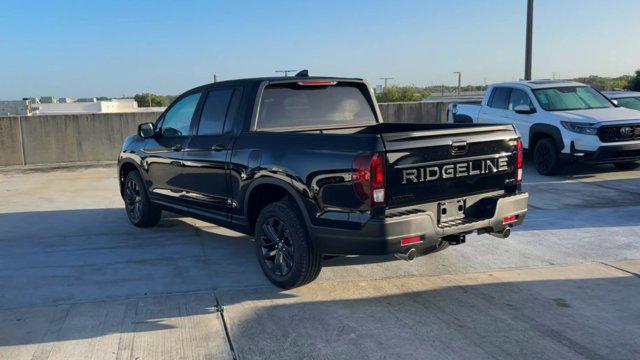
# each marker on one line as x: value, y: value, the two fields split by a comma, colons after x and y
x: 629, y: 165
x: 140, y: 211
x: 546, y: 158
x: 286, y: 254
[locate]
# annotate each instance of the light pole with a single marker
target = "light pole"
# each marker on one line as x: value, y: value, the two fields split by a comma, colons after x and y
x: 385, y: 80
x: 527, y: 54
x: 285, y: 72
x: 459, y: 80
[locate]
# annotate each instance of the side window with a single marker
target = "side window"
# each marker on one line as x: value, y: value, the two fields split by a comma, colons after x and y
x: 178, y: 119
x: 500, y: 98
x: 214, y: 112
x: 518, y: 97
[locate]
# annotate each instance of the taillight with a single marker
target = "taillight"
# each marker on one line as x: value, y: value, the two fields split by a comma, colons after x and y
x: 368, y: 178
x: 519, y: 161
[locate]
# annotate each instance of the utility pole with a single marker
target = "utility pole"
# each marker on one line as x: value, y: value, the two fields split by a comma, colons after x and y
x: 385, y: 80
x: 285, y: 72
x: 527, y: 55
x: 459, y: 80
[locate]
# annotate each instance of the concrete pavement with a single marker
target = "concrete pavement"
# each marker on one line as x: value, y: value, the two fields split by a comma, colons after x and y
x: 80, y: 282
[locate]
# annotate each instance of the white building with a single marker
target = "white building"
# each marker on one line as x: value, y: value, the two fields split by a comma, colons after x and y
x: 96, y: 106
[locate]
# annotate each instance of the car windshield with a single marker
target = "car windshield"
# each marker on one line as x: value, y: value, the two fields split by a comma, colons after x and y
x: 293, y: 105
x: 629, y: 102
x: 571, y: 98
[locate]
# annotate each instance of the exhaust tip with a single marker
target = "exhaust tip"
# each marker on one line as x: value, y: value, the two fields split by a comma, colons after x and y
x: 409, y: 255
x: 505, y: 233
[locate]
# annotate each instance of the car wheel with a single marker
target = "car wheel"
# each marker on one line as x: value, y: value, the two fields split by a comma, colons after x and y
x: 629, y: 165
x: 140, y: 210
x: 546, y: 158
x: 286, y: 254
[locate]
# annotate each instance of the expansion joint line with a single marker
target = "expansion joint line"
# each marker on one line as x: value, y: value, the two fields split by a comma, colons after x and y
x: 220, y: 309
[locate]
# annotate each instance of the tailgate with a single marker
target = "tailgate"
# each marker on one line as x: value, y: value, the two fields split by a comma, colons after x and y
x: 444, y: 164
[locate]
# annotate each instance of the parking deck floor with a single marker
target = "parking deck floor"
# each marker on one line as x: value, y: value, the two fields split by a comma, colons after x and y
x: 79, y: 282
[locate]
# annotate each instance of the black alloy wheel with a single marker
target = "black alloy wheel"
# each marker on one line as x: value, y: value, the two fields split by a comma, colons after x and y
x: 277, y: 246
x: 287, y: 255
x: 140, y: 210
x: 133, y: 200
x: 546, y: 158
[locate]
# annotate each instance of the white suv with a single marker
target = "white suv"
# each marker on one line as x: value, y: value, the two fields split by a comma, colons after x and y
x: 560, y: 120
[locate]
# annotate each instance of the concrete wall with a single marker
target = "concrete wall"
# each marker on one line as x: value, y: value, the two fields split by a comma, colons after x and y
x: 412, y: 112
x: 10, y: 141
x: 48, y: 139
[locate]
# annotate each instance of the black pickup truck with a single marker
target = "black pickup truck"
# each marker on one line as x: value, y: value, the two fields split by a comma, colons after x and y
x: 307, y: 166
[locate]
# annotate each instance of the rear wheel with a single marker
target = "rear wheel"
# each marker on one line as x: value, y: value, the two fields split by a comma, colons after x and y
x: 140, y: 211
x: 629, y: 165
x: 286, y: 254
x: 546, y: 158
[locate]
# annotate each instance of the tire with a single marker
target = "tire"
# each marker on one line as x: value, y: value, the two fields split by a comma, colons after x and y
x: 546, y: 158
x: 140, y: 210
x: 438, y: 247
x: 629, y: 165
x: 285, y: 252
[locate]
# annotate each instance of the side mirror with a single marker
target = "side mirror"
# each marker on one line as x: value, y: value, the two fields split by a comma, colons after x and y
x: 615, y: 102
x: 147, y: 130
x: 524, y: 109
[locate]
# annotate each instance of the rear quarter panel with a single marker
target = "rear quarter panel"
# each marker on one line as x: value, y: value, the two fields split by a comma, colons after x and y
x: 317, y: 166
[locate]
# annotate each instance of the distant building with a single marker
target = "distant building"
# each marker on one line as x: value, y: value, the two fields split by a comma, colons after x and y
x: 85, y: 107
x: 14, y: 107
x: 47, y: 100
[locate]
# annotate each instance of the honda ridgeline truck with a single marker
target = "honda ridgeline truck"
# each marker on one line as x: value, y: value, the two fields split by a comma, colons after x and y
x: 558, y: 121
x: 307, y: 166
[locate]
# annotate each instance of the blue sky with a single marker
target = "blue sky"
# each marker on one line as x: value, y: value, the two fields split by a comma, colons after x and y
x: 114, y: 48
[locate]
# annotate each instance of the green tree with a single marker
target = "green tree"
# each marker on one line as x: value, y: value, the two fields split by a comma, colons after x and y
x: 634, y: 82
x: 402, y: 94
x: 151, y: 100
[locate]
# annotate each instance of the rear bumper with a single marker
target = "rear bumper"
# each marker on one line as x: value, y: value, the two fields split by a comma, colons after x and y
x: 379, y: 237
x: 609, y: 153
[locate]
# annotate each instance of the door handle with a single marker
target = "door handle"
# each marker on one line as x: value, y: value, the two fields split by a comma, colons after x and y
x: 177, y: 147
x: 218, y: 147
x: 177, y: 163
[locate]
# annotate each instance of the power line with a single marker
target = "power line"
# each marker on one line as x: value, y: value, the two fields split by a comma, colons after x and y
x: 385, y: 80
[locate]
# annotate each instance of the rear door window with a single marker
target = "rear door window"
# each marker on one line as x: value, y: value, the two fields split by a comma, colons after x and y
x: 294, y: 105
x: 214, y: 112
x: 500, y: 98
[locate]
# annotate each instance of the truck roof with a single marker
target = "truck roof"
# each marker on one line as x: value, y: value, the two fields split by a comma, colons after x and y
x: 542, y: 84
x: 278, y: 78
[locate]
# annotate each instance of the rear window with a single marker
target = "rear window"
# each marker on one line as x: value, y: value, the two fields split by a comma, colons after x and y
x: 293, y: 105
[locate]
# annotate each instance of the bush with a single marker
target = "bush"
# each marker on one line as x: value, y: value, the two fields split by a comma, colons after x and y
x: 401, y: 94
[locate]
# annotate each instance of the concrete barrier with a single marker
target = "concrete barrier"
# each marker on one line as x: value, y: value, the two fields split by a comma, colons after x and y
x: 412, y: 112
x: 10, y: 141
x: 50, y: 139
x: 71, y: 138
